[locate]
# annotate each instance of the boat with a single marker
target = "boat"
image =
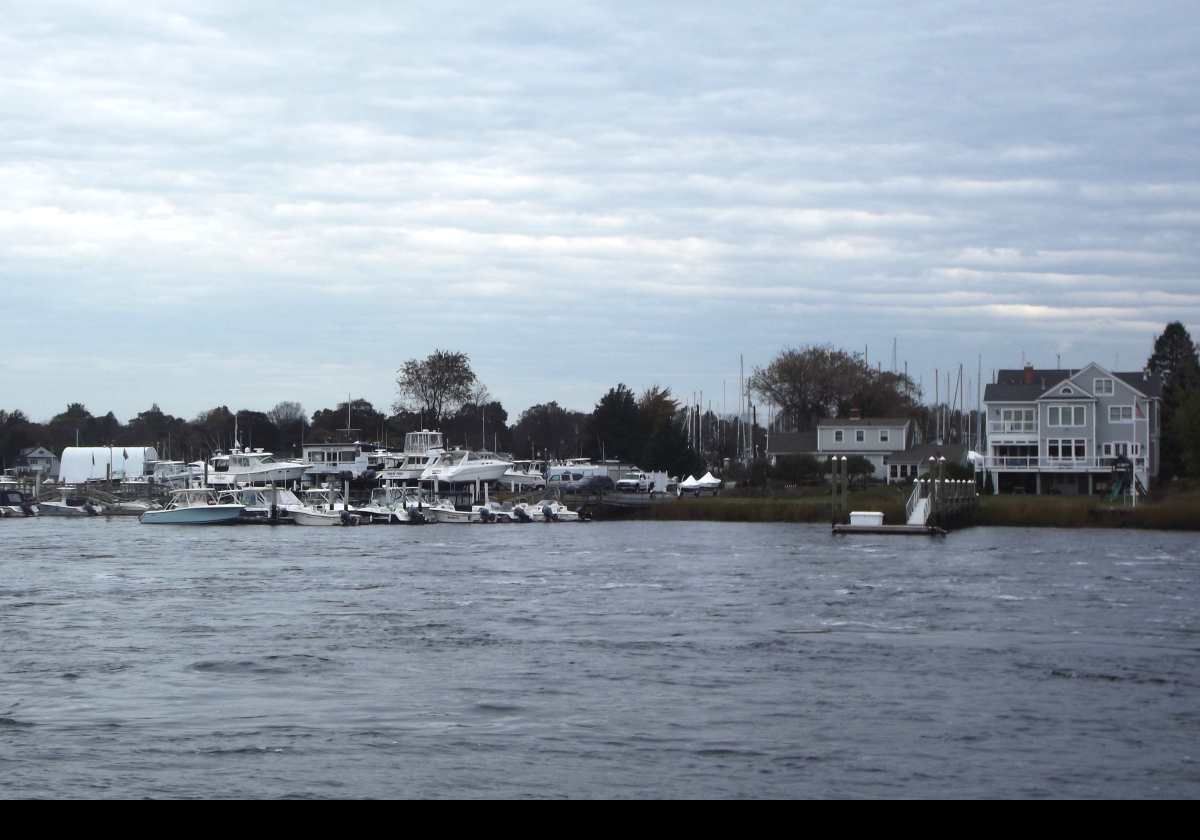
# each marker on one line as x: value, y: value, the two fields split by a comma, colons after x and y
x: 132, y: 508
x: 324, y: 506
x: 71, y: 506
x: 14, y: 503
x: 495, y: 512
x: 264, y: 505
x: 420, y: 449
x: 395, y: 506
x: 548, y: 510
x: 524, y: 475
x: 463, y: 466
x: 197, y: 506
x: 444, y: 511
x: 245, y: 466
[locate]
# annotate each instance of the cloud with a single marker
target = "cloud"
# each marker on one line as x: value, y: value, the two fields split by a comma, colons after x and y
x: 624, y: 192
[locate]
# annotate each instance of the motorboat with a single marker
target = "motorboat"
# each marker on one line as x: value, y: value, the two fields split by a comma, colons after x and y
x: 394, y: 505
x: 15, y: 503
x: 197, y: 506
x: 263, y: 504
x: 524, y: 475
x: 420, y: 449
x: 462, y: 466
x: 325, y: 506
x: 70, y: 506
x: 548, y: 510
x: 442, y: 510
x: 131, y: 508
x: 495, y: 512
x: 245, y: 466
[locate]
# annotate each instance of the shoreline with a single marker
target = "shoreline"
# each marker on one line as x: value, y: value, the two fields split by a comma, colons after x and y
x: 1174, y: 513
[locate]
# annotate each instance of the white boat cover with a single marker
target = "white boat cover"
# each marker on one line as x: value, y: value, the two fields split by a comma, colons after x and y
x: 91, y: 463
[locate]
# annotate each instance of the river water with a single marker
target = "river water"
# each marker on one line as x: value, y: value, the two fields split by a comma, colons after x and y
x: 620, y: 659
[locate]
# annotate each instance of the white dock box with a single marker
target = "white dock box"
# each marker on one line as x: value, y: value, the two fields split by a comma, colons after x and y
x: 866, y: 517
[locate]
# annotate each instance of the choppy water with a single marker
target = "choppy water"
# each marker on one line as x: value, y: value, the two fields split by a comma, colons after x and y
x: 600, y: 660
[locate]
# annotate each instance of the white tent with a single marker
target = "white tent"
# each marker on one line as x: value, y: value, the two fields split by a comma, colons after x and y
x: 689, y: 483
x: 709, y: 482
x: 92, y: 463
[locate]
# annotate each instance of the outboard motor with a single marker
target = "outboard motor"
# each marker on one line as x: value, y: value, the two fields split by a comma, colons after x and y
x: 486, y: 515
x: 522, y: 515
x: 348, y: 518
x: 415, y: 517
x: 548, y: 513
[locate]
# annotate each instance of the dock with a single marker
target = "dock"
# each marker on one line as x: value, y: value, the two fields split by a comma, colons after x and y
x: 910, y: 530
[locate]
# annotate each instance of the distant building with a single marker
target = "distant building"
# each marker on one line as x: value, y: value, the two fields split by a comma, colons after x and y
x: 784, y: 444
x: 1070, y: 431
x: 38, y: 460
x: 873, y: 438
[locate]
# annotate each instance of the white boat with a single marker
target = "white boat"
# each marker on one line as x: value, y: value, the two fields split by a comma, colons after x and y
x: 324, y: 507
x: 461, y: 466
x: 263, y: 504
x: 395, y: 506
x: 197, y: 506
x: 14, y: 503
x: 549, y: 510
x: 242, y: 467
x: 495, y: 512
x: 445, y: 512
x: 68, y: 507
x: 524, y: 475
x: 420, y: 449
x: 133, y: 508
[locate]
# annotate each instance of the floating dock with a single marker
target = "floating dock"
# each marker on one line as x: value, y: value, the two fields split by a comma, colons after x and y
x: 911, y: 530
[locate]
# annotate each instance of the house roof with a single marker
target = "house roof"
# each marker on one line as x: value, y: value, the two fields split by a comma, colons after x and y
x: 1010, y: 384
x: 953, y: 453
x: 792, y: 443
x: 894, y: 422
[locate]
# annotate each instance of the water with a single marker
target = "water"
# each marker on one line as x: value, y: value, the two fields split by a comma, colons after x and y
x: 600, y: 660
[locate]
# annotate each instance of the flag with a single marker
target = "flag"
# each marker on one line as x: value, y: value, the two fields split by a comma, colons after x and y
x: 125, y: 454
x: 93, y: 459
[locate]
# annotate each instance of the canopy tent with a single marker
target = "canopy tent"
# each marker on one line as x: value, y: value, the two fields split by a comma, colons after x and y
x: 92, y: 463
x: 689, y: 483
x: 709, y: 482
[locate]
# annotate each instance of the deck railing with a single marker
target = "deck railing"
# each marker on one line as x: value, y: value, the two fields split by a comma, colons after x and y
x: 1012, y: 427
x: 1033, y: 462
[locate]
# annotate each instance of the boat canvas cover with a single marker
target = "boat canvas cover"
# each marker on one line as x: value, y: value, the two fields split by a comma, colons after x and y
x: 91, y: 463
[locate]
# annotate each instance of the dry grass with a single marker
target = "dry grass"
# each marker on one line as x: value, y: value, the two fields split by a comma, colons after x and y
x: 1178, y: 511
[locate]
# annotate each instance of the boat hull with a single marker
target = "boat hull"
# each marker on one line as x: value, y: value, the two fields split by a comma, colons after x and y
x: 322, y: 519
x: 206, y: 515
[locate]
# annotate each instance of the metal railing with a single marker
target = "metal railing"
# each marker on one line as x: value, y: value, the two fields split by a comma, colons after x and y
x: 913, y: 498
x: 1011, y: 427
x: 1033, y: 462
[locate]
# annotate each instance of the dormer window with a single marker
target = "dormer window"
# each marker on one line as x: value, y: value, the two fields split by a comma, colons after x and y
x: 1067, y: 391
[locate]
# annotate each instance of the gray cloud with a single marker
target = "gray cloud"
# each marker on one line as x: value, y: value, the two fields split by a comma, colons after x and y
x: 243, y: 204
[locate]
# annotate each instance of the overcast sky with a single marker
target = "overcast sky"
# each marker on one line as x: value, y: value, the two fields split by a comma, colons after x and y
x: 243, y: 203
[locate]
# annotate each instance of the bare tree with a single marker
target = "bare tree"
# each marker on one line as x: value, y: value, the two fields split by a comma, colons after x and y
x: 436, y: 385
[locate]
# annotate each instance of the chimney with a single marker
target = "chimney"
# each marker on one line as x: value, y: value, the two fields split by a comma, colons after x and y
x: 1028, y: 374
x: 855, y: 414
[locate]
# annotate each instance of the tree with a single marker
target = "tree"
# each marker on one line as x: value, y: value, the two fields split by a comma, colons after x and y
x: 810, y: 384
x: 614, y: 429
x: 548, y: 431
x: 1185, y: 436
x: 1175, y: 360
x: 291, y: 421
x: 361, y: 419
x: 437, y: 385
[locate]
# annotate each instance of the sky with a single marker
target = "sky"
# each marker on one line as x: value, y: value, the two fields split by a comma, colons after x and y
x: 244, y: 203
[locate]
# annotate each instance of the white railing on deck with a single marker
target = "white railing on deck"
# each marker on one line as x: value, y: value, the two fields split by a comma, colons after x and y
x: 1012, y: 427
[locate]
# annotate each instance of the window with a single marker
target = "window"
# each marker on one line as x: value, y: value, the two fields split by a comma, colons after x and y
x: 1120, y: 414
x: 1068, y: 391
x: 838, y: 436
x: 1052, y: 448
x: 1108, y: 450
x: 884, y: 436
x: 860, y: 436
x: 1102, y: 387
x: 1067, y: 415
x: 1080, y: 449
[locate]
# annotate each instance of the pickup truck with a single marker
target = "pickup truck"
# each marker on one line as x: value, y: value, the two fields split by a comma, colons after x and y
x: 634, y: 482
